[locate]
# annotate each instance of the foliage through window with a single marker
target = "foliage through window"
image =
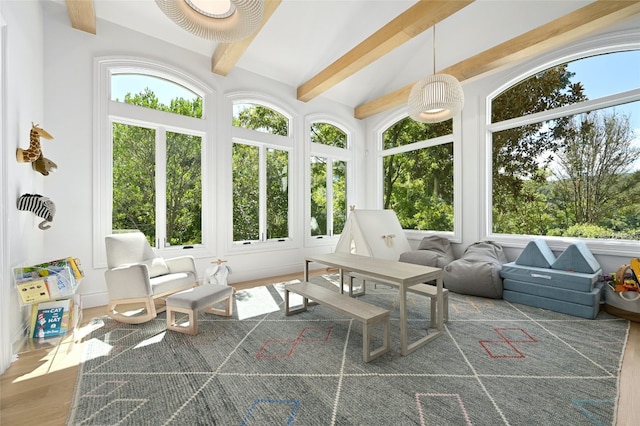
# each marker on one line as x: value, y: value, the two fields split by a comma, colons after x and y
x: 157, y: 172
x: 328, y: 189
x: 157, y: 93
x: 260, y: 176
x: 573, y: 174
x: 328, y: 134
x: 418, y: 174
x: 260, y: 118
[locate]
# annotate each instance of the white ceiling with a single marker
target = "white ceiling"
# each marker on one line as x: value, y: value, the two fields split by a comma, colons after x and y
x: 305, y: 36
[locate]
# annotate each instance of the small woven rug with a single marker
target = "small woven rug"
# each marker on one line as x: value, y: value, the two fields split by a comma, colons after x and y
x: 497, y: 363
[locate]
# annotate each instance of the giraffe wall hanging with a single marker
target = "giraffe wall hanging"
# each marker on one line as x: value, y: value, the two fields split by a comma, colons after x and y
x: 34, y: 154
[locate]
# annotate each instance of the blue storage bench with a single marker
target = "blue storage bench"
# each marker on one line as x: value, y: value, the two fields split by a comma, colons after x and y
x: 568, y: 284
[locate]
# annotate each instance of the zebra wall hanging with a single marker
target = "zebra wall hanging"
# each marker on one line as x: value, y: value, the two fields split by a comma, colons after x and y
x: 40, y: 206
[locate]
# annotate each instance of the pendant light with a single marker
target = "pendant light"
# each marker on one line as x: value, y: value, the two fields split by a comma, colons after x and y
x: 436, y: 98
x: 223, y: 21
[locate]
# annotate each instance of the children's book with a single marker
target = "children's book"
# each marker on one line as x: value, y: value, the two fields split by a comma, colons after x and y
x: 33, y: 291
x: 60, y: 281
x: 70, y: 264
x: 74, y: 262
x: 47, y: 318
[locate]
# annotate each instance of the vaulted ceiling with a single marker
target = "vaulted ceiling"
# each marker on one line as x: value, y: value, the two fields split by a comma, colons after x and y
x: 367, y: 54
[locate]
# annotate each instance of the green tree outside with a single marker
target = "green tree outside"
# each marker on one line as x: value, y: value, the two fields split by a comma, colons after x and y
x: 134, y: 175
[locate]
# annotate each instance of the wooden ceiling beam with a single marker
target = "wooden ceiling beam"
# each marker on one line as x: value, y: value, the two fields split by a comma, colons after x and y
x: 593, y: 17
x: 228, y: 54
x: 404, y: 27
x: 82, y: 14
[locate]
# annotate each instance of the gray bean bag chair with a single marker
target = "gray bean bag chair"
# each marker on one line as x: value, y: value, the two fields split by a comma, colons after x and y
x: 433, y: 251
x: 477, y: 272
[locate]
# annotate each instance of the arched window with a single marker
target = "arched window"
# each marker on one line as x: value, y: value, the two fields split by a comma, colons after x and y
x: 156, y: 93
x: 565, y: 149
x: 151, y: 141
x: 260, y: 118
x: 329, y: 163
x: 261, y: 155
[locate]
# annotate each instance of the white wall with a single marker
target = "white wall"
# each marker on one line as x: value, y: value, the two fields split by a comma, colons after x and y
x: 22, y: 104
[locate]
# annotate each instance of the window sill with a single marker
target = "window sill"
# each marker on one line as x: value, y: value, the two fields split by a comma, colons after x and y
x: 622, y: 248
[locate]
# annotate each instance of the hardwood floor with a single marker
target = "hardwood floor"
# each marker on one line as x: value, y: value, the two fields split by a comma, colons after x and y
x: 628, y: 407
x: 38, y: 387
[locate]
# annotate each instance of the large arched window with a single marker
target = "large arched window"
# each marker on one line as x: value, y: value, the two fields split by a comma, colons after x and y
x: 329, y: 165
x: 151, y: 143
x: 565, y: 148
x: 261, y: 156
x: 157, y: 172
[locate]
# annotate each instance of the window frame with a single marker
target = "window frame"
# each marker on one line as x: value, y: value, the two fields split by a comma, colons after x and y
x: 331, y: 153
x: 107, y: 111
x: 454, y: 236
x: 263, y: 141
x: 598, y: 46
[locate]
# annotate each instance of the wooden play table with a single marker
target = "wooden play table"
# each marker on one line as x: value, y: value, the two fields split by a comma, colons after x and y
x: 404, y: 275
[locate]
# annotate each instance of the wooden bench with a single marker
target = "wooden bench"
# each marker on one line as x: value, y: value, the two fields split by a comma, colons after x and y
x: 191, y: 301
x: 369, y: 315
x: 424, y: 289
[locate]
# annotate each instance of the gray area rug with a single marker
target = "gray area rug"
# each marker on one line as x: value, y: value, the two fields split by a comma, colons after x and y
x: 497, y: 363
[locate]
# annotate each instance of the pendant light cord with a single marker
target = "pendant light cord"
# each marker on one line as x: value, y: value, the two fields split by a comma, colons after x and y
x: 434, y: 49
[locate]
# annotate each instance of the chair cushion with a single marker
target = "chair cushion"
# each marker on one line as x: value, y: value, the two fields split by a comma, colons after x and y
x: 171, y: 282
x: 127, y: 248
x: 157, y: 266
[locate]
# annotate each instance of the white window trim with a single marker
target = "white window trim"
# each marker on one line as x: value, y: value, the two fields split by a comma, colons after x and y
x: 105, y: 110
x: 335, y: 154
x: 267, y: 140
x: 609, y: 43
x: 456, y: 235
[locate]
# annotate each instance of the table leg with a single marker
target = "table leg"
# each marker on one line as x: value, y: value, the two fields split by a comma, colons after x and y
x: 403, y: 319
x: 405, y: 347
x: 306, y: 271
x: 440, y: 305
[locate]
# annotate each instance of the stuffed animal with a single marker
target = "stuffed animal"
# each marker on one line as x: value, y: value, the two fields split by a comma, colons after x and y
x: 44, y: 165
x: 34, y: 151
x: 217, y: 274
x: 40, y: 206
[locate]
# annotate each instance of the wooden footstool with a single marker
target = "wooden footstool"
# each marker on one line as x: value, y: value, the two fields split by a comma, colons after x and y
x: 194, y: 299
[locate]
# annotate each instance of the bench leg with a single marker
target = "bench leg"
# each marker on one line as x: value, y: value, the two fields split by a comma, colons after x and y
x: 226, y: 312
x: 174, y: 326
x: 370, y: 355
x: 287, y: 309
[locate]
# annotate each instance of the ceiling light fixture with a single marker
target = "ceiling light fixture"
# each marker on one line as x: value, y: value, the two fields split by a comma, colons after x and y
x: 436, y: 98
x: 224, y: 21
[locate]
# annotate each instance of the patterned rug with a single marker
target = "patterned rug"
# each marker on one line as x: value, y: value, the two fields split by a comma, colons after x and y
x: 497, y: 363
